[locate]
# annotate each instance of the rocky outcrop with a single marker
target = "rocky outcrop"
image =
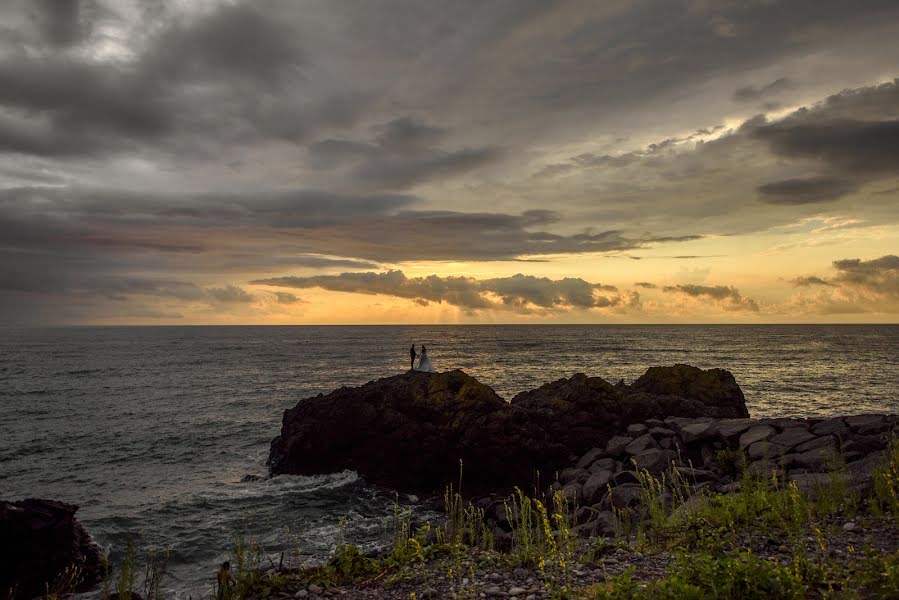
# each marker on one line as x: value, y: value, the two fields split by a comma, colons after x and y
x: 39, y: 540
x: 410, y: 431
x: 710, y: 456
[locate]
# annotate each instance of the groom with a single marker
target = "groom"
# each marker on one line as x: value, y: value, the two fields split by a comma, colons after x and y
x: 413, y: 356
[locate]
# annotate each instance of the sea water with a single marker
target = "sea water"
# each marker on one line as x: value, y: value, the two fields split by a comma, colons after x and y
x: 154, y: 431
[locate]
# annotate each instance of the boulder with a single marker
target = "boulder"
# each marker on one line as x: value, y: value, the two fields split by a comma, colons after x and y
x: 729, y: 430
x: 605, y: 464
x: 660, y: 433
x: 573, y: 493
x: 792, y: 437
x: 625, y: 477
x: 759, y: 433
x: 574, y: 474
x: 696, y: 432
x: 589, y: 458
x: 654, y: 460
x: 616, y: 445
x: 835, y: 426
x: 827, y: 441
x: 596, y: 486
x: 641, y: 444
x: 621, y: 496
x: 39, y: 539
x: 636, y: 429
x: 765, y: 450
x: 411, y: 431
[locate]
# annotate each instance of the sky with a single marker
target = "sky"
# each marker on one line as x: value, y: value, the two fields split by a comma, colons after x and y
x: 474, y: 161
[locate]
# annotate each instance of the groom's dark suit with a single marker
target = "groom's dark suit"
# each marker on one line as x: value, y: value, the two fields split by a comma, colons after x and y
x: 412, y: 355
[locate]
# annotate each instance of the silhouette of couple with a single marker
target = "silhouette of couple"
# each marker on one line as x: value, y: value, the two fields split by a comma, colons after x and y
x: 424, y: 363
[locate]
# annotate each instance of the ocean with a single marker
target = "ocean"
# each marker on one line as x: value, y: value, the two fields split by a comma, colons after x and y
x: 154, y: 430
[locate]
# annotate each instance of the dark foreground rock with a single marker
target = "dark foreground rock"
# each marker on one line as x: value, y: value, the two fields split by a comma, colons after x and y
x: 39, y: 540
x: 410, y: 431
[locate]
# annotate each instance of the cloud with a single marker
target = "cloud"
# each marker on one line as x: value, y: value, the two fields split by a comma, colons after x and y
x: 728, y: 297
x: 286, y: 298
x: 859, y: 286
x: 807, y: 281
x: 230, y: 294
x: 646, y: 284
x: 518, y: 292
x: 752, y: 93
x: 805, y: 191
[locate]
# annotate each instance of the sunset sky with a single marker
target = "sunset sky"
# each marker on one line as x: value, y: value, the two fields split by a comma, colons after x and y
x: 520, y: 161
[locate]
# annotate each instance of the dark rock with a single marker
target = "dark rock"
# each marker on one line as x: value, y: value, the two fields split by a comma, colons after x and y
x: 573, y: 474
x: 622, y: 496
x: 604, y: 522
x: 696, y: 432
x: 654, y: 460
x: 589, y: 458
x: 857, y: 422
x: 625, y: 477
x: 39, y: 539
x: 596, y: 486
x: 817, y: 460
x: 869, y: 443
x: 605, y: 464
x: 661, y: 432
x: 410, y: 431
x: 641, y: 444
x: 764, y: 468
x: 667, y: 443
x: 696, y: 475
x: 755, y: 434
x: 792, y: 437
x: 835, y: 426
x: 616, y: 445
x: 827, y: 441
x: 573, y: 492
x: 636, y: 429
x: 762, y: 450
x: 730, y: 430
x: 655, y: 422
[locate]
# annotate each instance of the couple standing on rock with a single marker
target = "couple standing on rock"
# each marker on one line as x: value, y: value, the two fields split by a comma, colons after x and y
x: 424, y: 363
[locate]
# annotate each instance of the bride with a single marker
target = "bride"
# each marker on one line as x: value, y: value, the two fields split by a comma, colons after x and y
x: 424, y: 363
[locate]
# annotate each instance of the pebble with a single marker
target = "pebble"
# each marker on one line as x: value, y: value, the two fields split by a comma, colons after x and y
x: 850, y: 526
x: 520, y: 573
x: 301, y: 594
x: 782, y: 549
x: 314, y: 589
x: 493, y: 590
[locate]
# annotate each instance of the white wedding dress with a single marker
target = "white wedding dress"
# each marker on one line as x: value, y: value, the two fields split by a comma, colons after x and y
x: 424, y: 364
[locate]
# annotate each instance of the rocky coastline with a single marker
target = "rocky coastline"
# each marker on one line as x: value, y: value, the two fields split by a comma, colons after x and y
x: 625, y: 485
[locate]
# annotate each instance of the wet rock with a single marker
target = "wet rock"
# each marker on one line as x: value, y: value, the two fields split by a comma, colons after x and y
x: 758, y: 433
x: 39, y: 539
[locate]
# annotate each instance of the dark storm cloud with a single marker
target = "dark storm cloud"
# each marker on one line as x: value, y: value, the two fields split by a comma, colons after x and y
x: 60, y: 20
x: 853, y: 147
x: 518, y: 292
x: 727, y: 297
x: 751, y: 93
x: 805, y: 191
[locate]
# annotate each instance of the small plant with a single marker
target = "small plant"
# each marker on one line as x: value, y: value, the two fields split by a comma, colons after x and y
x: 154, y: 570
x: 127, y: 572
x: 886, y: 482
x: 350, y: 565
x: 732, y: 462
x: 66, y: 583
